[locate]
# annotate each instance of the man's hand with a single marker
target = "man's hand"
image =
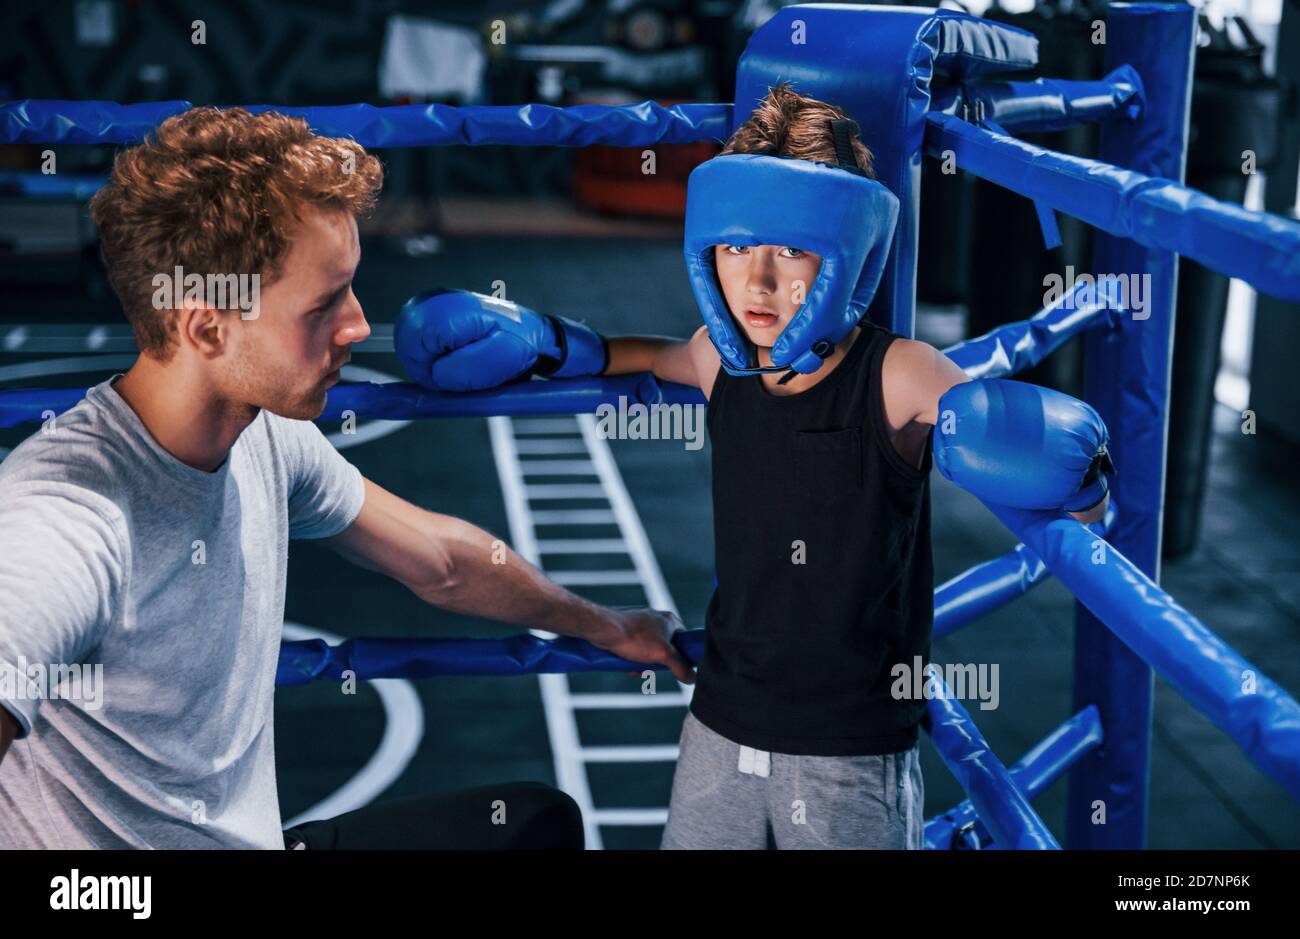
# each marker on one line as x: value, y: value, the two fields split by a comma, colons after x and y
x: 645, y: 636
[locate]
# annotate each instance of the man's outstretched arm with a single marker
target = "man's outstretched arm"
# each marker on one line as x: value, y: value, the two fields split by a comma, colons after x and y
x: 452, y: 564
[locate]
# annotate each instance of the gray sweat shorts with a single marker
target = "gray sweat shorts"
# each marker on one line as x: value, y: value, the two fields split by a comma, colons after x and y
x: 729, y: 796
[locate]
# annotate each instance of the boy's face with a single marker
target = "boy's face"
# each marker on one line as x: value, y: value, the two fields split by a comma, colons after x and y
x: 764, y: 286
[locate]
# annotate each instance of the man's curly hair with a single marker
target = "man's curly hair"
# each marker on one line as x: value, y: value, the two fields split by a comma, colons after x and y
x: 789, y: 124
x: 218, y: 192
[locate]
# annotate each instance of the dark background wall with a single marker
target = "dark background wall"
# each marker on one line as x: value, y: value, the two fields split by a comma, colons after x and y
x: 323, y: 52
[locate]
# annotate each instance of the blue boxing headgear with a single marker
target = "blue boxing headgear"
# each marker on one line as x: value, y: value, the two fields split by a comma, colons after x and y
x: 834, y: 211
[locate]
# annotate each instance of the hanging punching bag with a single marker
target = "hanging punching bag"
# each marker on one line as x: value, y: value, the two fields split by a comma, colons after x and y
x: 943, y: 257
x: 1008, y: 258
x: 1234, y: 121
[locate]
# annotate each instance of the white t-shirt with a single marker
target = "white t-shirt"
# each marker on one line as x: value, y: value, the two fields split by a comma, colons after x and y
x: 115, y: 554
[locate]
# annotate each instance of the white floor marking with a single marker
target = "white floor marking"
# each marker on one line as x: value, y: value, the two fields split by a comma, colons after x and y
x: 627, y: 699
x: 403, y: 731
x: 558, y: 468
x: 65, y: 366
x: 514, y: 452
x: 643, y: 753
x: 561, y: 723
x: 564, y: 491
x: 525, y: 426
x: 631, y: 816
x: 629, y: 523
x: 573, y: 517
x: 546, y: 445
x: 578, y: 546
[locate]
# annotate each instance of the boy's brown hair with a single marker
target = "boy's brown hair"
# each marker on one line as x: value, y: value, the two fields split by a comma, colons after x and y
x: 789, y: 124
x: 218, y: 192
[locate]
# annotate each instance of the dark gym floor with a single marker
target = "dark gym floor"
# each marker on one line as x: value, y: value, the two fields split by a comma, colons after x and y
x: 1243, y: 581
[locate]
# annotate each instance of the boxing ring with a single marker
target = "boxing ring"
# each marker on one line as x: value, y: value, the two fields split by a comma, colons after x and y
x: 931, y: 88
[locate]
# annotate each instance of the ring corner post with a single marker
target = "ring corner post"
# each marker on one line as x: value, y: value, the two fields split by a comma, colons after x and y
x: 1127, y: 375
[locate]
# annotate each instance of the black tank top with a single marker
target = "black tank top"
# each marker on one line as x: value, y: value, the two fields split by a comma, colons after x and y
x: 798, y: 656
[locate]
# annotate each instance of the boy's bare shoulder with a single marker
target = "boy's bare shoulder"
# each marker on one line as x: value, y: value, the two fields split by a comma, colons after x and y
x: 903, y: 352
x: 906, y: 360
x: 913, y: 376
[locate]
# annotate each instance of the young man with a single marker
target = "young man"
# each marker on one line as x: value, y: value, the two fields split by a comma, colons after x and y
x: 820, y: 423
x: 146, y: 529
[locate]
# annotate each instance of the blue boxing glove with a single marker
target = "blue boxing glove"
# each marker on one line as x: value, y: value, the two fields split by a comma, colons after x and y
x: 456, y: 340
x: 1022, y: 446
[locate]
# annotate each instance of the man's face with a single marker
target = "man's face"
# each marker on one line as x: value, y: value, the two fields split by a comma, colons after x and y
x: 287, y: 358
x: 764, y: 286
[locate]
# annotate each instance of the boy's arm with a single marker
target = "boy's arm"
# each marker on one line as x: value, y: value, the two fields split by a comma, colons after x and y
x: 457, y: 340
x: 917, y: 375
x: 691, y: 361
